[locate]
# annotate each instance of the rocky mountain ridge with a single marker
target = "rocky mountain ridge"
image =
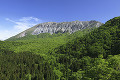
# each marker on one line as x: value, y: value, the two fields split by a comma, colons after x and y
x: 62, y: 27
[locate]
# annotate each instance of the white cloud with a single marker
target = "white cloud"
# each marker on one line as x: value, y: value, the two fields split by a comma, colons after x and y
x: 25, y: 22
x: 24, y: 19
x: 19, y: 26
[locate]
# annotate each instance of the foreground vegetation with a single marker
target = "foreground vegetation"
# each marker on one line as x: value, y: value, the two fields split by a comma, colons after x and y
x: 91, y: 54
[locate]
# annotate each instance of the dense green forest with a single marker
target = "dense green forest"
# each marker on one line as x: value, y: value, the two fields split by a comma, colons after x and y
x: 90, y: 54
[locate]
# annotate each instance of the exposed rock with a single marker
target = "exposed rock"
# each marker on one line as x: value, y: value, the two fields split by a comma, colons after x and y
x: 53, y: 27
x: 22, y: 34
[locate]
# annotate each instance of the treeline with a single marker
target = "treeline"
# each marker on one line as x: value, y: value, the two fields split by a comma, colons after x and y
x: 33, y: 37
x: 41, y: 43
x: 66, y: 35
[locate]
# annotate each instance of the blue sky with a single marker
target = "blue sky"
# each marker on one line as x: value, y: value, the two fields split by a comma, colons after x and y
x: 18, y: 15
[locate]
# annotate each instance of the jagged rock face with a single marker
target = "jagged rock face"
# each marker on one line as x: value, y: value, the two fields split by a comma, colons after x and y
x: 53, y: 27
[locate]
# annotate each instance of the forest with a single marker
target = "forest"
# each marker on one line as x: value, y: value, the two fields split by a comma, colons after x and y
x: 89, y: 54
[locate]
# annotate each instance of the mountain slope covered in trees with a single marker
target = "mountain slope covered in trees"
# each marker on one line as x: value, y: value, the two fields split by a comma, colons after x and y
x: 84, y: 55
x: 95, y: 55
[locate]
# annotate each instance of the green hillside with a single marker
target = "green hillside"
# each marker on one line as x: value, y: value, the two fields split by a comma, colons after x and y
x: 94, y: 56
x: 42, y: 43
x: 90, y: 54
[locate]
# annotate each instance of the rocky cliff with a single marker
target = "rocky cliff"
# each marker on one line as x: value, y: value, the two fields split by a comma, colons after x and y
x: 54, y: 27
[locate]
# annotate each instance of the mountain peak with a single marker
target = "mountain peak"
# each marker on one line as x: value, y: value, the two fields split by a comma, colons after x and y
x: 62, y: 27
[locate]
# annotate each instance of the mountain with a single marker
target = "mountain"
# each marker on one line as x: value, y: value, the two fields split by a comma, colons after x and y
x: 53, y: 27
x: 92, y: 56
